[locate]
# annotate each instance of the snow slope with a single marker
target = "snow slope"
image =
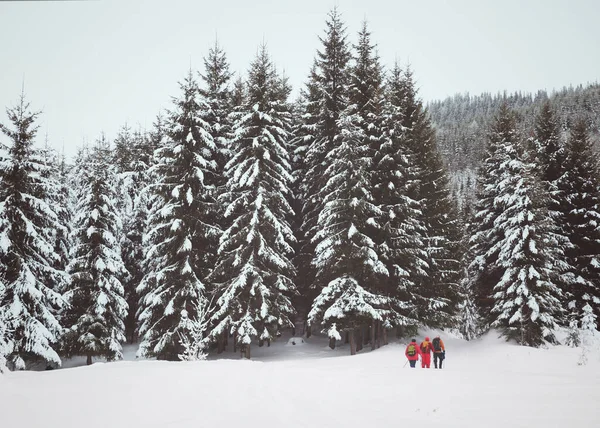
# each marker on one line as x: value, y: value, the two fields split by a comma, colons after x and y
x: 487, y: 383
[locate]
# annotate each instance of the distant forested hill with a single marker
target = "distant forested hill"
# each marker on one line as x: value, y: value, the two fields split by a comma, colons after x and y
x: 462, y: 123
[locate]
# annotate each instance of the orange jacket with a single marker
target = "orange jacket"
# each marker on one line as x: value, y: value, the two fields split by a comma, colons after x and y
x: 442, y: 347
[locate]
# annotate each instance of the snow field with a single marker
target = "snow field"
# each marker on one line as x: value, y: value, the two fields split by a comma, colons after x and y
x: 486, y: 383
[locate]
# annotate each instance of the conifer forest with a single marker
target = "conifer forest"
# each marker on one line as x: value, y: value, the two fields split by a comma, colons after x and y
x: 354, y: 210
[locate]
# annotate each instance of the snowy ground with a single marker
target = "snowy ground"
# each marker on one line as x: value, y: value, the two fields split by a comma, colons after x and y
x: 486, y: 383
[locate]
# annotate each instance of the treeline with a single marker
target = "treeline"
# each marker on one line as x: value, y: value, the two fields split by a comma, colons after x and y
x: 242, y: 214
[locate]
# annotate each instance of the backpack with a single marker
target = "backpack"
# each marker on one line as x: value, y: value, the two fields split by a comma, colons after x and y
x: 436, y: 344
x: 425, y: 347
x: 412, y: 350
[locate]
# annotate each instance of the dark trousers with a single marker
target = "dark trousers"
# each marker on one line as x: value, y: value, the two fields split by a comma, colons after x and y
x: 436, y: 356
x: 412, y: 363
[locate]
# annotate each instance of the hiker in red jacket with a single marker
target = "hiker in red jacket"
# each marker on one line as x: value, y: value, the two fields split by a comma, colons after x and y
x: 412, y: 352
x: 426, y: 349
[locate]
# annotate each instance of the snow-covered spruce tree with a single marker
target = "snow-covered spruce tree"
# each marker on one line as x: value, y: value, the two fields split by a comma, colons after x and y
x: 305, y: 132
x: 526, y: 300
x: 97, y: 307
x: 254, y: 274
x: 346, y: 258
x: 64, y: 209
x: 401, y: 246
x: 365, y: 110
x: 440, y: 213
x: 123, y: 153
x: 217, y: 93
x: 182, y: 235
x: 483, y: 269
x: 549, y: 152
x: 327, y: 88
x: 548, y: 158
x: 28, y: 260
x: 580, y: 206
x: 238, y: 93
x: 135, y: 207
x: 55, y: 178
x: 150, y: 202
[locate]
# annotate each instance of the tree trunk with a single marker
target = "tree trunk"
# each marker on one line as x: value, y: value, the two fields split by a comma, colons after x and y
x: 373, y: 341
x: 220, y: 344
x: 268, y: 343
x: 89, y: 360
x: 357, y: 333
x: 248, y: 351
x: 347, y: 338
x: 234, y: 342
x: 260, y: 343
x: 309, y: 331
x: 352, y: 343
x: 332, y: 342
x: 379, y: 333
x: 385, y: 336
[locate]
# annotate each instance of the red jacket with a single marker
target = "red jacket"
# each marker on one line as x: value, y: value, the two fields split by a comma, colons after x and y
x: 426, y: 347
x: 417, y: 353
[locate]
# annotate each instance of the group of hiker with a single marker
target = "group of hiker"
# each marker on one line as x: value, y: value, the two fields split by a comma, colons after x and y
x: 424, y: 350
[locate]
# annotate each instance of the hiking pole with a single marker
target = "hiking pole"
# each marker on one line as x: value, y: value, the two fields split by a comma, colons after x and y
x: 405, y: 364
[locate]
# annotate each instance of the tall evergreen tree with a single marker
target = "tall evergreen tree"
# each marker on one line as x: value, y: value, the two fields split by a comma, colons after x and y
x: 549, y: 154
x: 238, y: 95
x: 136, y: 203
x: 514, y: 249
x: 439, y: 210
x: 328, y: 90
x: 526, y: 299
x: 97, y: 310
x: 483, y: 269
x: 401, y: 243
x: 548, y: 157
x: 579, y: 187
x: 346, y: 258
x: 28, y: 260
x: 182, y: 235
x: 124, y: 152
x: 56, y: 190
x: 254, y: 275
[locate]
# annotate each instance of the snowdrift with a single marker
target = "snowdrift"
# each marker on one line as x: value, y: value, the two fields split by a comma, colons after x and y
x: 485, y: 383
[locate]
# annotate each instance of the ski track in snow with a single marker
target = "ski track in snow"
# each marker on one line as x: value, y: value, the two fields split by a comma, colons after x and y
x: 485, y: 383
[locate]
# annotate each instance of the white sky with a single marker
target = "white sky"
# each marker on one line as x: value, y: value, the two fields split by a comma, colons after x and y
x: 92, y: 66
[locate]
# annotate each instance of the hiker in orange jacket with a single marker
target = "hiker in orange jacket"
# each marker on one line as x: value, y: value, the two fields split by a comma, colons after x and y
x: 439, y: 351
x: 412, y: 352
x: 426, y: 349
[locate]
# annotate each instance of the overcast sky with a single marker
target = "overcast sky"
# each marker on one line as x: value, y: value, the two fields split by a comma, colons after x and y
x: 92, y: 66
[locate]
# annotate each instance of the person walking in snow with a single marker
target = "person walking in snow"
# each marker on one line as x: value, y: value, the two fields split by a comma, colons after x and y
x: 426, y: 348
x: 439, y: 351
x: 412, y: 352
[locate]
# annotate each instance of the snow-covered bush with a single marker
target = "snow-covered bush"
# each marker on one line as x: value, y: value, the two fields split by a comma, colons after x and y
x: 194, y: 344
x: 587, y: 334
